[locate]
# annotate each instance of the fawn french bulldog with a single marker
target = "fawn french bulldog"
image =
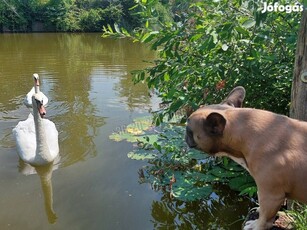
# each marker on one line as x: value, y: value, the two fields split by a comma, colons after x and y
x: 272, y: 147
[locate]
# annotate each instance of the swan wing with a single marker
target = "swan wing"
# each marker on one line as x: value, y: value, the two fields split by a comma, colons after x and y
x: 24, y: 134
x: 28, y: 99
x: 52, y: 137
x: 45, y: 99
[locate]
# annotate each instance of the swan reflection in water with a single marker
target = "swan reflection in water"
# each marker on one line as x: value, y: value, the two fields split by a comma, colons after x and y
x: 45, y: 174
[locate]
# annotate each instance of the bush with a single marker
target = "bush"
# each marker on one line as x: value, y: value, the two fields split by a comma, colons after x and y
x: 212, y: 46
x: 94, y: 19
x: 90, y: 20
x: 62, y: 14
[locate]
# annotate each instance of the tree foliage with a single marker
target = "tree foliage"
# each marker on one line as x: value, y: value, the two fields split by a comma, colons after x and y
x: 66, y: 15
x: 208, y: 47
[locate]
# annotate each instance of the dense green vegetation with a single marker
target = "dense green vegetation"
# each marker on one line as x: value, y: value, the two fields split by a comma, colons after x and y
x: 207, y: 47
x: 299, y: 213
x: 66, y: 15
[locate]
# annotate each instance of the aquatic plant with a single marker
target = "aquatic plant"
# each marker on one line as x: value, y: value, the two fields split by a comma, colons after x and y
x: 186, y: 174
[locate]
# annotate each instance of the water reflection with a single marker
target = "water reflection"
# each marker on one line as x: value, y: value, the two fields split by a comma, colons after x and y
x: 45, y: 174
x: 218, y: 212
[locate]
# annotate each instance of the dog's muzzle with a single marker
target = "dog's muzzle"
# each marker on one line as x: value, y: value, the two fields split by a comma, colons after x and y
x: 189, y: 138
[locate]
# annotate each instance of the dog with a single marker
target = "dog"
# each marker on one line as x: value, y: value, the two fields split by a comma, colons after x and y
x: 272, y: 147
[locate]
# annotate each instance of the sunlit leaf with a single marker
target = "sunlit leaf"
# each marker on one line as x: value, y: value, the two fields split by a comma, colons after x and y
x: 141, y: 155
x: 215, y: 37
x: 248, y: 23
x: 124, y: 136
x: 116, y: 28
x: 225, y: 47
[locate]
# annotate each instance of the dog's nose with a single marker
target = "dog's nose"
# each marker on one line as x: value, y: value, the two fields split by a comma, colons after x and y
x: 189, y: 138
x: 191, y: 143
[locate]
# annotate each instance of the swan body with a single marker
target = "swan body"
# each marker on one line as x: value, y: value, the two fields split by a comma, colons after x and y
x: 35, y: 89
x: 37, y: 137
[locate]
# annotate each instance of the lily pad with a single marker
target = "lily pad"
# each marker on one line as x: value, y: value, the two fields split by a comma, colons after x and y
x: 133, y: 132
x: 124, y: 136
x: 141, y: 155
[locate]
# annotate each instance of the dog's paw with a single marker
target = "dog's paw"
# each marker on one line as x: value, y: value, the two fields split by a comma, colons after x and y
x: 251, y: 225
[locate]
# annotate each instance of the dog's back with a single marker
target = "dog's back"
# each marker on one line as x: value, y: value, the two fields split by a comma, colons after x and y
x: 273, y: 139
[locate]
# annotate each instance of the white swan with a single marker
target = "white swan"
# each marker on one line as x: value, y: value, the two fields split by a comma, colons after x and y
x: 28, y: 99
x: 36, y: 137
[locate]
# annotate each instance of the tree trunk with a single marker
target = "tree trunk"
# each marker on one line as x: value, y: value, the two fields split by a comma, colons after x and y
x: 298, y: 108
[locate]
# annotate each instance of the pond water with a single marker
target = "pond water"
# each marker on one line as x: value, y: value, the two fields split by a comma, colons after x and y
x: 94, y: 185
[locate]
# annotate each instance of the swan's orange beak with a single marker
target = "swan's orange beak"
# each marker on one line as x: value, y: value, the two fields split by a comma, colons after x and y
x: 42, y: 111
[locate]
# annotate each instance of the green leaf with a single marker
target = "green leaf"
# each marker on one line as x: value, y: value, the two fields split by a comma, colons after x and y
x: 248, y: 23
x: 196, y: 37
x: 242, y: 183
x: 250, y: 191
x: 222, y: 173
x: 117, y: 28
x: 241, y: 30
x: 214, y: 36
x: 196, y: 154
x: 166, y: 77
x: 141, y: 155
x: 187, y: 192
x: 150, y: 138
x: 124, y: 136
x: 110, y: 28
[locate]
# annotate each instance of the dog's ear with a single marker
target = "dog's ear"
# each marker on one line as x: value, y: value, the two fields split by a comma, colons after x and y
x: 235, y: 97
x: 214, y: 124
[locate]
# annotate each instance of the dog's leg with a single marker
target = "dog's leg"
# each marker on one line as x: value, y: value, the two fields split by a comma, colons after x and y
x: 269, y: 206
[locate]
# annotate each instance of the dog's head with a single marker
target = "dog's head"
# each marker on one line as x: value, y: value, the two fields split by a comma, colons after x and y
x: 205, y: 127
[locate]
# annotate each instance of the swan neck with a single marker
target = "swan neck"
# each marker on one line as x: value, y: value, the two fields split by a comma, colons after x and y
x: 36, y: 88
x: 42, y: 154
